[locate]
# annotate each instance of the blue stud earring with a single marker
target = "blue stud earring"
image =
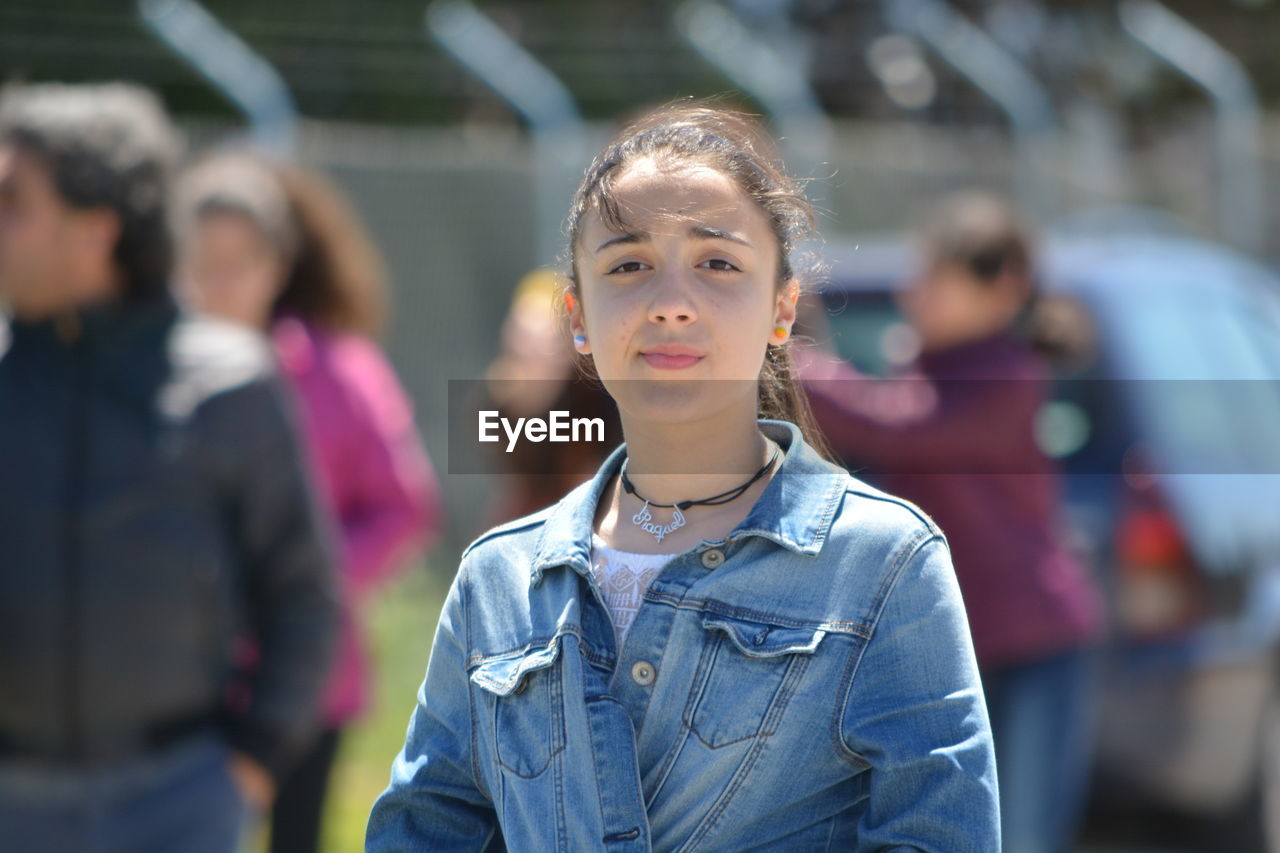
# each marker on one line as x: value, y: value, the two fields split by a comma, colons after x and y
x: 579, y: 341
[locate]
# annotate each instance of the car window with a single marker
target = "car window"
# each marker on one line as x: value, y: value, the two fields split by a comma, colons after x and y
x: 1203, y: 346
x: 861, y: 323
x: 1260, y: 314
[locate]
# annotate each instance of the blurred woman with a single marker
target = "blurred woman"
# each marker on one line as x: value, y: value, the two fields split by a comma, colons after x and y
x: 275, y: 247
x: 955, y: 432
x: 535, y: 372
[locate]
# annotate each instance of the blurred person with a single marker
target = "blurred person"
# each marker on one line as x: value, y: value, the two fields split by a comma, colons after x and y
x: 154, y: 505
x: 534, y: 373
x: 276, y: 248
x: 722, y: 640
x: 969, y: 404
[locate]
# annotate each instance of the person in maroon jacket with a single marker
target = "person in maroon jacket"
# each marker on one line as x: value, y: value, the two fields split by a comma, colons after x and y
x: 955, y: 434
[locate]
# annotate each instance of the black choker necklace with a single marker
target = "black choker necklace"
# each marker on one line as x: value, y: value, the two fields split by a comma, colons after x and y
x: 644, y: 519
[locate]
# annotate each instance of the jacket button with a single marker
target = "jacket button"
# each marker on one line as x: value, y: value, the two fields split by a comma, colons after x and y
x: 713, y: 558
x: 643, y: 673
x: 521, y: 684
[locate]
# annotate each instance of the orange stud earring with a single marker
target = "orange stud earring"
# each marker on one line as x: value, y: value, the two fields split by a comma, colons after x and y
x: 780, y: 332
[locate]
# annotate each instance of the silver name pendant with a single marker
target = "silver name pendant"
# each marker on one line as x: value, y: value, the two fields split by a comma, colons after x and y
x: 644, y: 520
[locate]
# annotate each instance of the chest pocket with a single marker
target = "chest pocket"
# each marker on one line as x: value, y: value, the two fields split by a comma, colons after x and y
x: 747, y: 673
x: 526, y: 701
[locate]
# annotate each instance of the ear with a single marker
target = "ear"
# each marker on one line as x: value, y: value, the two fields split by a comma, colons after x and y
x: 573, y: 305
x: 784, y: 312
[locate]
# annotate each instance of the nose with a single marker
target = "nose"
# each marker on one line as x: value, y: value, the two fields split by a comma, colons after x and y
x: 672, y: 301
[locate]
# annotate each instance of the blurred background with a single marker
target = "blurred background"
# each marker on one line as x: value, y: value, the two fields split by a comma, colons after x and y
x: 1142, y: 138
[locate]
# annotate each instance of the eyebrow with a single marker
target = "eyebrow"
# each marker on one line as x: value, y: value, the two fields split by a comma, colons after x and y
x: 704, y: 232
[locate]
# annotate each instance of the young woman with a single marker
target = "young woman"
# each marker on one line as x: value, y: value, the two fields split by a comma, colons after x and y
x: 722, y: 640
x: 276, y: 249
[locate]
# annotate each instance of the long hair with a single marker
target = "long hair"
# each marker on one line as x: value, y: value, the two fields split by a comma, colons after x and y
x: 338, y: 277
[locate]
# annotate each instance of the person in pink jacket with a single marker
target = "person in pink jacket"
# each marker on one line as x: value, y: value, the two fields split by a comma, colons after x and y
x: 275, y: 247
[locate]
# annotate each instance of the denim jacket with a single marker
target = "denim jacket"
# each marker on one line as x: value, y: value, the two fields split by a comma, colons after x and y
x: 806, y: 683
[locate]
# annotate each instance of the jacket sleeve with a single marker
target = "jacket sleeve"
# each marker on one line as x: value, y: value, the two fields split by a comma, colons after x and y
x: 434, y: 800
x: 915, y: 713
x: 288, y: 578
x: 915, y: 425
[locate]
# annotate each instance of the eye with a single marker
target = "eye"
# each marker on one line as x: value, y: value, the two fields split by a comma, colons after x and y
x: 635, y: 265
x: 727, y: 266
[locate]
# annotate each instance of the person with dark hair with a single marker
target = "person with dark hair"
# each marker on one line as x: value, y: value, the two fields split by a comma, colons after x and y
x: 275, y: 248
x: 955, y: 432
x: 722, y: 640
x: 154, y: 506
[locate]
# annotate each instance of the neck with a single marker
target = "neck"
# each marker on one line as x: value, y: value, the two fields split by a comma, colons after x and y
x: 76, y: 297
x: 669, y: 463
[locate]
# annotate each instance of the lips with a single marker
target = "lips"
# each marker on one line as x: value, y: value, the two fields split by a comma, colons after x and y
x: 670, y: 362
x: 672, y: 356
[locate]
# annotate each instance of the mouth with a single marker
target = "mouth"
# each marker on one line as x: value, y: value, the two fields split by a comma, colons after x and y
x: 672, y: 357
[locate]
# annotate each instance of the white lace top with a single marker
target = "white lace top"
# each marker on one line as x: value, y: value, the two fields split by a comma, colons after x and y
x: 623, y: 577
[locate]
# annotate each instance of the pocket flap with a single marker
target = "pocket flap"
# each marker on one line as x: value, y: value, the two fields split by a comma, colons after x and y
x: 763, y: 639
x: 502, y: 674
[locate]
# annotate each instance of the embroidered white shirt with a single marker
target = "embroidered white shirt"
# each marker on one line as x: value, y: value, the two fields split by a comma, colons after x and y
x: 623, y: 577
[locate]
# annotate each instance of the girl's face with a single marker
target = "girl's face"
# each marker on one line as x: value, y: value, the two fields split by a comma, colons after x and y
x: 689, y: 293
x: 231, y: 270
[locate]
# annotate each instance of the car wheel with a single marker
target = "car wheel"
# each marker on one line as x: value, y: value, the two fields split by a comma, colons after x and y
x: 1255, y: 824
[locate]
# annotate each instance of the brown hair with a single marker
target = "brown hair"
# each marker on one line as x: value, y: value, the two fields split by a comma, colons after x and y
x: 986, y: 235
x: 336, y: 276
x: 980, y: 232
x: 707, y: 133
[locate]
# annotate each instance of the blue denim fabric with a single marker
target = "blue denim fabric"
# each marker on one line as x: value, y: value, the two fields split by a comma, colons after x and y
x: 1042, y: 718
x: 815, y: 690
x: 181, y: 800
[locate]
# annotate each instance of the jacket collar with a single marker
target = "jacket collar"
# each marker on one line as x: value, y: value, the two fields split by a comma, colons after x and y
x: 795, y: 510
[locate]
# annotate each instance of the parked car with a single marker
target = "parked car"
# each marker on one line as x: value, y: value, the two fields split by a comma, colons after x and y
x: 1165, y: 417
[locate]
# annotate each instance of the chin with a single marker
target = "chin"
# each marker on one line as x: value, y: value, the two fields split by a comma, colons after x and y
x: 674, y: 401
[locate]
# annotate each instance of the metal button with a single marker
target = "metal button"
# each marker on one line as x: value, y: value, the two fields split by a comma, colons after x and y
x: 643, y: 673
x: 521, y: 684
x: 713, y: 558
